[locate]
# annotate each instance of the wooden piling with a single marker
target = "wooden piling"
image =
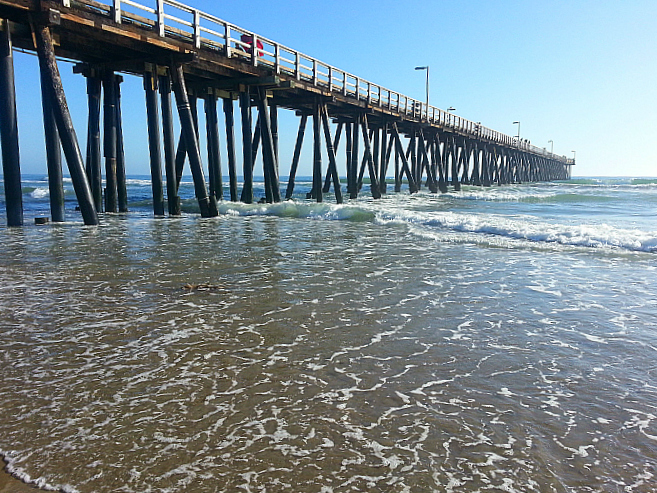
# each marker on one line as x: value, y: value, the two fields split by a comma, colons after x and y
x: 376, y: 154
x: 208, y: 207
x: 385, y: 159
x: 398, y: 175
x: 404, y: 167
x: 352, y: 176
x: 9, y: 131
x: 109, y: 142
x: 273, y: 117
x: 455, y: 166
x: 255, y: 142
x: 363, y: 165
x: 336, y: 141
x: 247, y: 162
x: 412, y: 145
x: 268, y: 148
x: 317, y: 156
x: 150, y: 86
x: 485, y: 166
x: 173, y: 200
x: 476, y: 167
x: 214, y: 156
x: 230, y: 146
x: 374, y: 183
x: 182, y: 151
x: 295, y: 158
x: 69, y: 141
x: 53, y: 154
x: 121, y: 178
x: 330, y: 150
x: 425, y: 163
x: 94, y: 171
x: 348, y: 152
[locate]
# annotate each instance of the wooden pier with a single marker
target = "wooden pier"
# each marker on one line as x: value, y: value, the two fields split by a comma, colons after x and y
x: 195, y: 55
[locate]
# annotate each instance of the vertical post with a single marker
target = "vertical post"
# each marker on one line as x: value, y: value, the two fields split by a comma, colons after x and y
x: 93, y: 140
x: 9, y: 131
x: 268, y: 148
x: 475, y: 177
x: 485, y: 166
x: 227, y: 40
x: 150, y: 86
x: 398, y: 176
x: 414, y: 165
x: 352, y: 178
x: 455, y: 166
x: 197, y: 29
x: 116, y: 11
x: 230, y: 144
x: 465, y: 177
x: 207, y: 206
x: 53, y: 154
x: 317, y: 155
x: 266, y: 164
x: 121, y: 182
x: 376, y: 152
x: 160, y: 17
x: 385, y: 158
x: 349, y: 150
x: 254, y: 50
x: 48, y: 63
x: 109, y: 142
x: 273, y: 114
x: 295, y: 158
x: 173, y: 201
x: 214, y: 157
x: 247, y: 159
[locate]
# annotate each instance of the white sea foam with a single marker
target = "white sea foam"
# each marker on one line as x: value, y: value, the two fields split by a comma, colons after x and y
x: 40, y: 193
x: 526, y: 228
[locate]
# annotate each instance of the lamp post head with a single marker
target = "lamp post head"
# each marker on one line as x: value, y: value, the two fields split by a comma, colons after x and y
x: 421, y: 68
x: 451, y: 108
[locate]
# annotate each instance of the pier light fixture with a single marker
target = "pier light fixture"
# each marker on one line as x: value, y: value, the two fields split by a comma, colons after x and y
x: 574, y: 155
x: 451, y: 108
x: 427, y: 69
x: 551, y: 142
x: 517, y: 136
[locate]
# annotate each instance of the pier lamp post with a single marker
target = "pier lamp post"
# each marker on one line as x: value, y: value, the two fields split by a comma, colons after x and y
x: 448, y: 110
x: 551, y: 142
x: 574, y: 155
x: 427, y: 69
x: 518, y: 136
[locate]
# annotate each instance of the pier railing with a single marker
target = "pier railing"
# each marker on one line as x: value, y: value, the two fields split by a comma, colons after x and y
x: 173, y: 19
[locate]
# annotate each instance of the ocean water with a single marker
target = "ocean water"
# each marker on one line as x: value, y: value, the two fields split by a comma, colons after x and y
x: 495, y: 339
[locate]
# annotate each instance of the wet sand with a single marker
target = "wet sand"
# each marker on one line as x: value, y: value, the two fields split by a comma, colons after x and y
x: 9, y: 484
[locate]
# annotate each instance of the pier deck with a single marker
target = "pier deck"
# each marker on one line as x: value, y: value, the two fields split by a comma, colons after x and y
x: 204, y: 57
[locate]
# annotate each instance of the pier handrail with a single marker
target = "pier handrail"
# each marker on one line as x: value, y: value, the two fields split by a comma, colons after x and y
x: 206, y: 31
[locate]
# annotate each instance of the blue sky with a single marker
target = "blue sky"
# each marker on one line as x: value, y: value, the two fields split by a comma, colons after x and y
x: 580, y: 73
